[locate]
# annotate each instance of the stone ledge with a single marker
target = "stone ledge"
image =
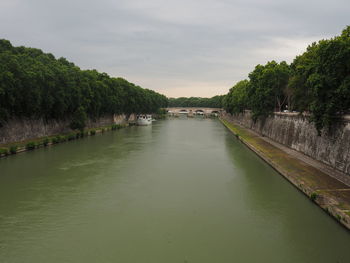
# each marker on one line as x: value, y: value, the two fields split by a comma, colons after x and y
x: 328, y: 193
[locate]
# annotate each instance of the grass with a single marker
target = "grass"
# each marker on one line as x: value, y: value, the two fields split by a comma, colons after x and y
x: 31, y: 144
x: 305, y: 177
x: 294, y: 167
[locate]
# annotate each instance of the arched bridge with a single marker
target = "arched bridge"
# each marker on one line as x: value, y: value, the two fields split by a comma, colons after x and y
x: 191, y: 111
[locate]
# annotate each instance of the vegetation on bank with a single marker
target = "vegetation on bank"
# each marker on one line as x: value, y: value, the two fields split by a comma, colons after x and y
x: 317, y: 82
x: 321, y: 188
x: 34, y: 84
x: 214, y: 102
x: 28, y: 145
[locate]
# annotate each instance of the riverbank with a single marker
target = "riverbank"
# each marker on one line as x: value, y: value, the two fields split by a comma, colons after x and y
x: 29, y: 145
x: 185, y: 187
x: 330, y: 194
x: 296, y: 131
x: 57, y: 132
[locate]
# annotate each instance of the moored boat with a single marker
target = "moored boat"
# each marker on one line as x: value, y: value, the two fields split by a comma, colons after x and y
x: 143, y: 120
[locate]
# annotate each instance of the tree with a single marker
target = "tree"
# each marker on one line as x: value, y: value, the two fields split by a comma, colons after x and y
x: 34, y: 84
x: 214, y: 102
x: 79, y: 119
x: 322, y: 80
x: 267, y: 88
x: 236, y: 101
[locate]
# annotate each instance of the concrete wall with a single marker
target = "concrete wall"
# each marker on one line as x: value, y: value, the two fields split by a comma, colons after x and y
x: 24, y: 129
x: 296, y: 132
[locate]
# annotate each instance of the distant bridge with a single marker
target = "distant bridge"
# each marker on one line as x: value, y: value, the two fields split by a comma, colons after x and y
x: 191, y: 111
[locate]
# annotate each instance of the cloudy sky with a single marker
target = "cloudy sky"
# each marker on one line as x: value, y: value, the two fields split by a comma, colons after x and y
x: 176, y: 47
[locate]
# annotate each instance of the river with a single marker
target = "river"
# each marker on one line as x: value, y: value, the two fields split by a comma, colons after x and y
x: 182, y: 190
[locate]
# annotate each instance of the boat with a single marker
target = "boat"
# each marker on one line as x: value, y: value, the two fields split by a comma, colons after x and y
x: 143, y: 120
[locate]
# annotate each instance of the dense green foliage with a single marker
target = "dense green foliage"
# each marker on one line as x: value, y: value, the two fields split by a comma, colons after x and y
x: 79, y: 119
x: 34, y: 84
x: 214, y: 102
x: 318, y: 82
x: 264, y: 92
x: 322, y: 76
x: 266, y: 88
x: 236, y: 100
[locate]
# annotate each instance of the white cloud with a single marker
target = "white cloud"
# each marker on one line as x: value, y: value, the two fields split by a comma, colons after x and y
x: 282, y: 48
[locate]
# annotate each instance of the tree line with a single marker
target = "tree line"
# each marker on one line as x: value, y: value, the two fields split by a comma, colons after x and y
x: 214, y: 102
x: 34, y: 84
x: 316, y: 82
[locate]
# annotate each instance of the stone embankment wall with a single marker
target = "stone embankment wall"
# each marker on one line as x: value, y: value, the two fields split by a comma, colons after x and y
x: 25, y: 129
x: 295, y: 131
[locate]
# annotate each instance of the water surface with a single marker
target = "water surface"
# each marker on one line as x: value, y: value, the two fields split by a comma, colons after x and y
x: 182, y: 190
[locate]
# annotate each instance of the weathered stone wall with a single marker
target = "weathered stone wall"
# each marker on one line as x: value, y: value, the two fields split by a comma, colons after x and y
x: 25, y: 129
x: 296, y: 132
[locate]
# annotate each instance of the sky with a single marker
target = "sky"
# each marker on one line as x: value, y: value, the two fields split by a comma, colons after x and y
x: 179, y: 48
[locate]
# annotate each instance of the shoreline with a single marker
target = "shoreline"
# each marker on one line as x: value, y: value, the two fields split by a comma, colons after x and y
x: 46, y: 141
x: 328, y: 193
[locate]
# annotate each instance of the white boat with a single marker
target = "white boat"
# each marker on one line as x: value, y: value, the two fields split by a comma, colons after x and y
x: 143, y: 120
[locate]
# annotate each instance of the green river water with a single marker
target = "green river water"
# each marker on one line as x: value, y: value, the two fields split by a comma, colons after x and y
x: 182, y: 190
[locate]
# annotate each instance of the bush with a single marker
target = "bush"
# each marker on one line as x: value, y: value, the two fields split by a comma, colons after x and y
x: 72, y: 136
x: 313, y: 196
x: 82, y: 134
x: 31, y: 145
x: 58, y: 139
x: 103, y: 130
x: 13, y: 149
x: 4, y: 151
x: 46, y: 142
x: 92, y: 132
x: 116, y: 127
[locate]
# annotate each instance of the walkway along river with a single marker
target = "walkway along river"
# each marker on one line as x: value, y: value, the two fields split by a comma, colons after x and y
x: 182, y: 190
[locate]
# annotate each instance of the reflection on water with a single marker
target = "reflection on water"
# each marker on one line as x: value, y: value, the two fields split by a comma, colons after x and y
x: 182, y: 190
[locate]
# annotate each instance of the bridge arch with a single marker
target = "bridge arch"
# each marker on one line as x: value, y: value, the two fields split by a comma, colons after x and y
x: 191, y: 111
x: 199, y: 112
x: 215, y: 113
